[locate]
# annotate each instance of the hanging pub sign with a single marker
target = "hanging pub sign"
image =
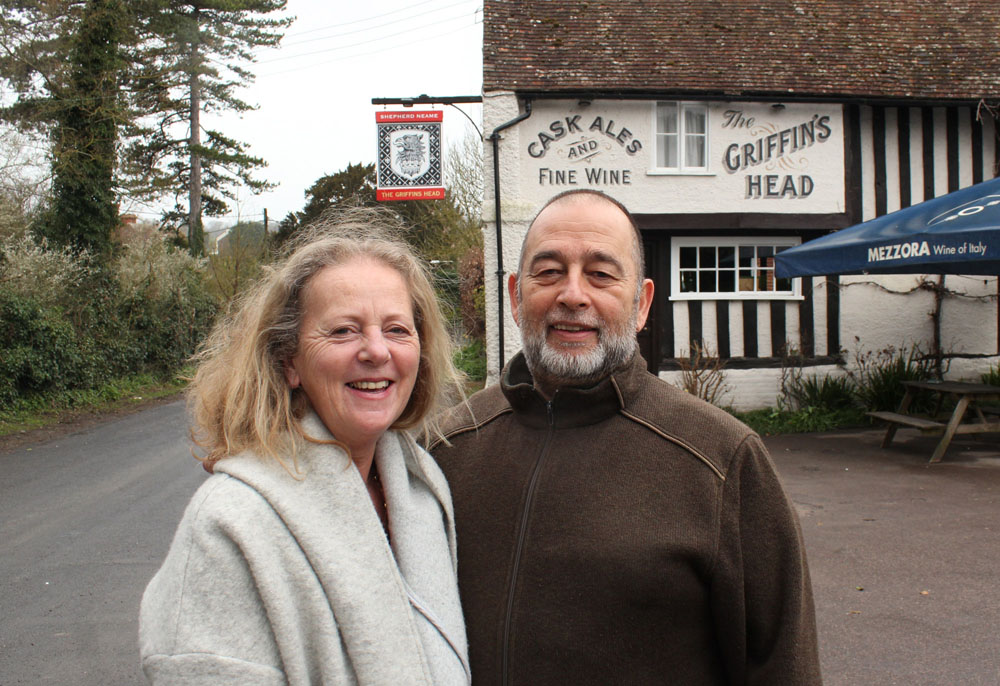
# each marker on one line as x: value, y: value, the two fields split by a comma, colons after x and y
x: 409, y: 155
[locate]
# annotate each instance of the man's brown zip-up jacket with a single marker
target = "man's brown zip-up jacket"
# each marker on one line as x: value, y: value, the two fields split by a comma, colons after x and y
x: 627, y: 533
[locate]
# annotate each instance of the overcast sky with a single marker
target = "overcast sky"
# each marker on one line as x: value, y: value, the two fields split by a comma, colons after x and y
x: 314, y: 93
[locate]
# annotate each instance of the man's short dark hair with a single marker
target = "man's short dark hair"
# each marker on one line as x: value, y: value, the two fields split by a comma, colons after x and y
x: 638, y: 253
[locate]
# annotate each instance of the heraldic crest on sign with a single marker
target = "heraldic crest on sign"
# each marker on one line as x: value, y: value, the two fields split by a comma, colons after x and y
x: 411, y: 158
x: 409, y: 155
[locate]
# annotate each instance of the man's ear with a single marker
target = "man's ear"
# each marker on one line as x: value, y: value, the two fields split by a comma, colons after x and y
x: 291, y: 375
x: 512, y: 294
x: 645, y: 301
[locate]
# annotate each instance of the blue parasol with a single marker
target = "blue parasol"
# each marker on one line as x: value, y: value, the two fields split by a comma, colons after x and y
x: 957, y: 233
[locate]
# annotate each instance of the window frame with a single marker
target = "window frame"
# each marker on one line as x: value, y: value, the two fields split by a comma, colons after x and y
x: 682, y: 167
x: 678, y: 242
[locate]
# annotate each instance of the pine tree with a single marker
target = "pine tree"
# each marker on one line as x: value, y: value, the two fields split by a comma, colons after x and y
x: 190, y: 58
x: 178, y: 60
x: 35, y: 41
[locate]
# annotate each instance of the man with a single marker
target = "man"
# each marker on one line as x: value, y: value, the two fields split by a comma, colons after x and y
x: 613, y: 529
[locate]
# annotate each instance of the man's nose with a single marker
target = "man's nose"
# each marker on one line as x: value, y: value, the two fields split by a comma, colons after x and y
x: 373, y: 347
x: 573, y: 293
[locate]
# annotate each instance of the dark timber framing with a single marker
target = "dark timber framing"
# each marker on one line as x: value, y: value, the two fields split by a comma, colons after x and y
x: 722, y: 327
x: 878, y: 145
x: 920, y: 131
x: 807, y: 324
x: 749, y: 328
x: 976, y: 128
x: 951, y: 135
x: 695, y: 335
x: 779, y: 348
x: 903, y: 140
x: 927, y: 126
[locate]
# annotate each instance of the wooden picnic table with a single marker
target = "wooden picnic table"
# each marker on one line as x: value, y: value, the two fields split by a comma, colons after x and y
x: 969, y: 396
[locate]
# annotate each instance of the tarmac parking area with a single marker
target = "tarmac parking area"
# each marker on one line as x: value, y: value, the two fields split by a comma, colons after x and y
x: 904, y: 555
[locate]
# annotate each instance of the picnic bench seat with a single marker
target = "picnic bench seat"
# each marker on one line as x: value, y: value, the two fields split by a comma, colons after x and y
x: 925, y: 425
x: 967, y: 407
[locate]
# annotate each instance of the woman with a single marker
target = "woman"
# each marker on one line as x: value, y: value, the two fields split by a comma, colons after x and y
x: 322, y: 550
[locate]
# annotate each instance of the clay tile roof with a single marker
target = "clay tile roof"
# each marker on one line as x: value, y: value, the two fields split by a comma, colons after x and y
x: 882, y: 49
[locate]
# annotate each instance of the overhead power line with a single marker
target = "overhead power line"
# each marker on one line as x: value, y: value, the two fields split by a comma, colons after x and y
x: 396, y: 20
x: 368, y: 41
x: 356, y: 21
x: 376, y: 51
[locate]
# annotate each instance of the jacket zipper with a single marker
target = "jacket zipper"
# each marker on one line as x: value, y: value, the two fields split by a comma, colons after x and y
x: 522, y: 532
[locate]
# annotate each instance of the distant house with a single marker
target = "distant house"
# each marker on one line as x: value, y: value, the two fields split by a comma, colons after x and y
x: 239, y: 238
x: 733, y: 130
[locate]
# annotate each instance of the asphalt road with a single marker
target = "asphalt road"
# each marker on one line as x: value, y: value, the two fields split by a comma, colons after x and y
x: 85, y: 521
x: 905, y: 556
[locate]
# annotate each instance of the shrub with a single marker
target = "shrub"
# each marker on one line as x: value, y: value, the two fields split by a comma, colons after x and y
x: 879, y: 375
x: 66, y: 325
x: 147, y: 266
x: 471, y: 359
x: 30, y: 269
x: 164, y: 301
x: 39, y: 349
x: 823, y: 392
x: 473, y: 293
x: 992, y: 377
x: 444, y: 278
x: 702, y: 375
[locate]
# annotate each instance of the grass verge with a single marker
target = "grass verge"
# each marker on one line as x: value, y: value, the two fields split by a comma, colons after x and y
x: 41, y: 411
x: 770, y: 422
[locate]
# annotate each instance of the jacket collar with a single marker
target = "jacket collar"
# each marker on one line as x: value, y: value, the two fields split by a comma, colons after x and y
x: 569, y: 407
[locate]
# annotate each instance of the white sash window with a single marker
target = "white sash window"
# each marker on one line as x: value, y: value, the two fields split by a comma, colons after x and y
x: 681, y: 137
x: 729, y: 269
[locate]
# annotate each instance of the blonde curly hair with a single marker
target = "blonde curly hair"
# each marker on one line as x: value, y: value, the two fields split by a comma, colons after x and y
x: 239, y: 399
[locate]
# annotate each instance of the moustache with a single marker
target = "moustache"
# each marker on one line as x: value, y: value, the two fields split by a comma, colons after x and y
x: 590, y: 321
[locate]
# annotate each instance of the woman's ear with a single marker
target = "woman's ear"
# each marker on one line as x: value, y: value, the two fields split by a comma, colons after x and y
x: 291, y: 376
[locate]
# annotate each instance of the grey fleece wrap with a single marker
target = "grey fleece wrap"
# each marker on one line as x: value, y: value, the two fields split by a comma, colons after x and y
x: 273, y: 579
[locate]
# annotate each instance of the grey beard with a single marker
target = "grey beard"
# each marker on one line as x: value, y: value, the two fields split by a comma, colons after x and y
x: 552, y: 368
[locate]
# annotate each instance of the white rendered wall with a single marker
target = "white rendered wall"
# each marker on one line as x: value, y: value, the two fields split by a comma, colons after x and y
x: 875, y: 312
x: 515, y: 214
x: 753, y: 389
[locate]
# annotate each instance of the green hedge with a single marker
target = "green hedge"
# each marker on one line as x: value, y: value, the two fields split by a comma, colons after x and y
x: 103, y: 335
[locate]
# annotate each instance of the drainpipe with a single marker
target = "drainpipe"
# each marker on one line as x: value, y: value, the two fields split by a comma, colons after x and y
x: 495, y: 137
